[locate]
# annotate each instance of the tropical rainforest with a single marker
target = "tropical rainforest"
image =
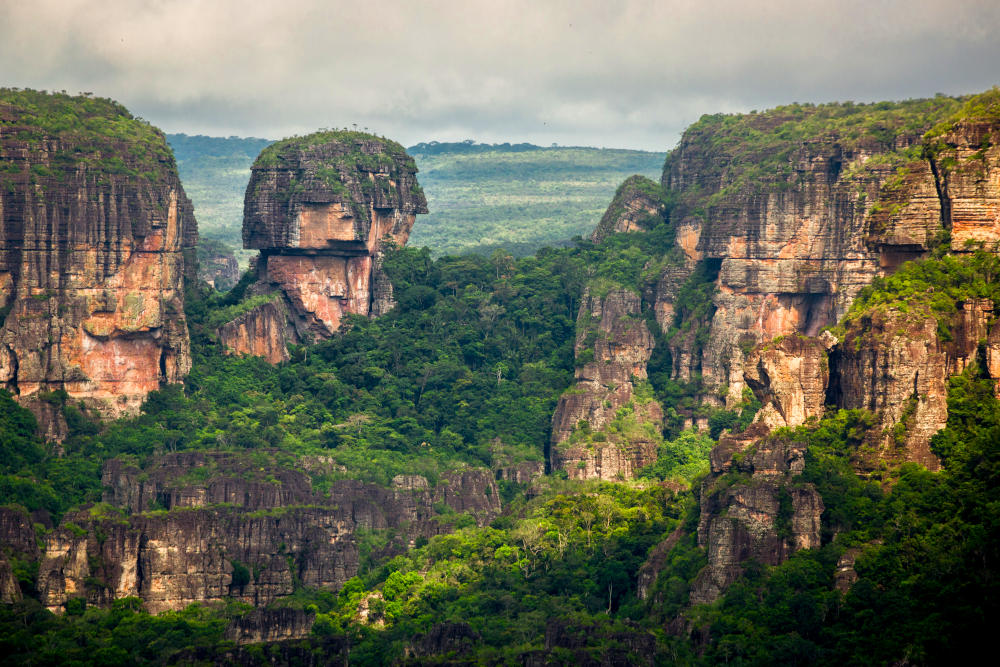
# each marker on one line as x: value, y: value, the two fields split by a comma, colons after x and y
x: 466, y: 371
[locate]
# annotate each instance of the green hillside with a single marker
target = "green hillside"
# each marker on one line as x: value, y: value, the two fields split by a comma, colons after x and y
x: 481, y: 196
x: 517, y: 197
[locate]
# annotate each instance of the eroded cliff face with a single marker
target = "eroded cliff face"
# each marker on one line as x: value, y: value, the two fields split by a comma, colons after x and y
x: 896, y: 363
x: 754, y: 511
x: 787, y: 252
x: 320, y: 209
x: 602, y: 427
x: 261, y: 331
x: 94, y: 229
x: 196, y: 527
x: 18, y: 542
x: 785, y: 261
x: 789, y: 376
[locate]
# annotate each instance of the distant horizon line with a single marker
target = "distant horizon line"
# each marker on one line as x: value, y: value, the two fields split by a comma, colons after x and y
x: 466, y: 143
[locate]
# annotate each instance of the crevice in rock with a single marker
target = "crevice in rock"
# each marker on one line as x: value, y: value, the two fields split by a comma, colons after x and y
x: 942, y: 192
x: 12, y: 382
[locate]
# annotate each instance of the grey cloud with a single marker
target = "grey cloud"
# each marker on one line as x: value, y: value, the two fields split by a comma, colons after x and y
x: 628, y: 73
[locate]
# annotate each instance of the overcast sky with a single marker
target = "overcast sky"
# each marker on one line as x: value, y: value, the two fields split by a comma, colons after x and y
x: 601, y: 73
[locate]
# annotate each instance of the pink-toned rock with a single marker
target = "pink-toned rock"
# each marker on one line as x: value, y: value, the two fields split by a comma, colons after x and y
x: 321, y: 209
x: 92, y: 261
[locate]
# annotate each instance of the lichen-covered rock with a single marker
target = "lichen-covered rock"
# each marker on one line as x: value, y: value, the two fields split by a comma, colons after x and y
x: 320, y: 209
x: 203, y: 526
x: 759, y: 514
x: 601, y: 427
x: 637, y: 205
x: 94, y: 229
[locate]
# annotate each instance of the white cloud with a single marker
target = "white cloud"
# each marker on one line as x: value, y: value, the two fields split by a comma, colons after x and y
x: 601, y: 73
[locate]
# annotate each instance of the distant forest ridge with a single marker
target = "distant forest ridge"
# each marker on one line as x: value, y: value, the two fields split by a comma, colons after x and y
x: 472, y: 146
x: 482, y: 197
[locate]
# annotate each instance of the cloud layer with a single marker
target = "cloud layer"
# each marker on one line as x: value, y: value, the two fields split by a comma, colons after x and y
x: 587, y: 72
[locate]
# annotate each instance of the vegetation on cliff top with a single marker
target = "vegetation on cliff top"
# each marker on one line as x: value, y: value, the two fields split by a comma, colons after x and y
x: 760, y: 148
x: 473, y: 358
x: 349, y: 148
x: 93, y: 128
x: 984, y: 107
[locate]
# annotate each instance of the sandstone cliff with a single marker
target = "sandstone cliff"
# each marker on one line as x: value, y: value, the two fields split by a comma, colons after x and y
x: 193, y: 527
x: 17, y: 543
x: 320, y: 209
x: 602, y: 427
x: 787, y: 224
x: 896, y: 361
x: 94, y: 229
x: 783, y: 227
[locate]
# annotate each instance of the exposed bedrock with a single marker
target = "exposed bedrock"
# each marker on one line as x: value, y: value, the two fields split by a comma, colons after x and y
x: 756, y: 512
x: 637, y: 204
x: 789, y: 376
x: 321, y: 209
x: 195, y: 526
x: 94, y: 232
x: 897, y: 364
x: 601, y: 427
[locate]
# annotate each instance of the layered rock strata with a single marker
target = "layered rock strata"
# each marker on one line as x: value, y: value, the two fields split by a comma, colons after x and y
x: 601, y: 428
x: 195, y: 527
x: 94, y: 229
x: 321, y: 209
x: 261, y: 331
x: 788, y: 249
x: 787, y: 231
x: 755, y: 512
x: 896, y: 363
x: 789, y: 376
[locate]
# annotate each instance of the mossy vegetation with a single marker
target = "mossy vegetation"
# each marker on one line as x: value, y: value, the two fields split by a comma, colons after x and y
x: 760, y: 148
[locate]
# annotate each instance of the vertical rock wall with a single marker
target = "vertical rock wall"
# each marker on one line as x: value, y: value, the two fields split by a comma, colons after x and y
x: 94, y: 230
x: 613, y: 346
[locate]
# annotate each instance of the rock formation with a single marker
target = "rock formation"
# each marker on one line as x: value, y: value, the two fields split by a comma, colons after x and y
x: 787, y: 233
x: 895, y: 363
x: 94, y: 229
x: 760, y: 515
x: 637, y: 204
x: 789, y: 376
x: 217, y: 265
x: 320, y: 209
x: 17, y: 542
x: 194, y: 527
x: 603, y: 428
